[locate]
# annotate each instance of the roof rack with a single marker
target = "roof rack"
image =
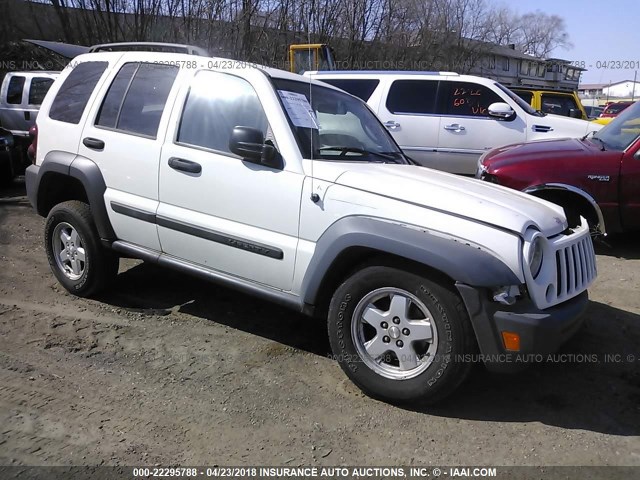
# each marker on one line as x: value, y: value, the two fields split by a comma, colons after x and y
x: 149, y: 47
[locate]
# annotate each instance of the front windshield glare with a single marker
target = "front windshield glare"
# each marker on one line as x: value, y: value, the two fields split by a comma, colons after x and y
x: 331, y: 125
x: 622, y: 131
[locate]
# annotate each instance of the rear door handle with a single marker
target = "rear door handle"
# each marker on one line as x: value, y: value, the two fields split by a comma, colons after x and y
x: 455, y: 127
x: 27, y: 116
x: 391, y: 125
x: 184, y: 165
x: 93, y: 143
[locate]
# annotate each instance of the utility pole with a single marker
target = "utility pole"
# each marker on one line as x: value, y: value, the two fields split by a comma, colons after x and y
x: 633, y: 90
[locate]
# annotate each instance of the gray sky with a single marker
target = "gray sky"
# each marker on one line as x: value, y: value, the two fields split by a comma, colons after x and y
x: 602, y: 32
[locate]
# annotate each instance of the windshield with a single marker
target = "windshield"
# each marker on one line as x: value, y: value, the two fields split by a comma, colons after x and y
x: 521, y: 103
x: 331, y: 125
x: 615, y: 108
x: 622, y: 131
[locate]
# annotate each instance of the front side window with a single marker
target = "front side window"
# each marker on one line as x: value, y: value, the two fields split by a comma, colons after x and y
x: 14, y: 91
x: 331, y: 125
x: 215, y: 105
x: 622, y: 131
x: 413, y: 97
x: 558, y: 104
x: 74, y: 93
x: 464, y: 99
x: 137, y: 97
x: 38, y: 89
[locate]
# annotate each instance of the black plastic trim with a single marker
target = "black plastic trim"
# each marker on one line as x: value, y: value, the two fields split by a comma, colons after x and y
x: 235, y: 242
x: 133, y: 212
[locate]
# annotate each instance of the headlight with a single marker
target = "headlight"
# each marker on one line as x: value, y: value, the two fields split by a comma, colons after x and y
x: 535, y: 256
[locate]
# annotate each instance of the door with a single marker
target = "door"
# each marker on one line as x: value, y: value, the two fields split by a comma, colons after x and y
x: 217, y: 210
x: 122, y: 137
x: 408, y: 111
x: 466, y: 129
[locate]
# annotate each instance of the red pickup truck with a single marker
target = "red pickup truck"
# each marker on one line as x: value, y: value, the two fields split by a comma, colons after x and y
x: 597, y: 177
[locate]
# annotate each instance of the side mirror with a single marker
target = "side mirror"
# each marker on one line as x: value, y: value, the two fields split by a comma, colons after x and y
x: 575, y: 113
x: 500, y: 110
x: 249, y: 144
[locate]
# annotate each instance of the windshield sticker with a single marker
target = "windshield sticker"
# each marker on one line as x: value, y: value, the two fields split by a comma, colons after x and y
x: 299, y: 109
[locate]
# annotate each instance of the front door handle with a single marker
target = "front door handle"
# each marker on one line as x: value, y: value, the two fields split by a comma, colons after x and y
x: 455, y: 127
x: 391, y: 125
x: 184, y: 165
x: 93, y: 143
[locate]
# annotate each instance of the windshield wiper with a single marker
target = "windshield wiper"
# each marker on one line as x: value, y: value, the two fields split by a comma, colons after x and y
x: 601, y: 142
x: 587, y: 135
x: 344, y: 150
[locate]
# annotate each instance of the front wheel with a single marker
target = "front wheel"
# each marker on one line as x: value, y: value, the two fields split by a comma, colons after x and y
x: 400, y: 337
x: 78, y: 260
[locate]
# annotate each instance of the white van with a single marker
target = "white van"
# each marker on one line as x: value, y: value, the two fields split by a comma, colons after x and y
x: 446, y: 121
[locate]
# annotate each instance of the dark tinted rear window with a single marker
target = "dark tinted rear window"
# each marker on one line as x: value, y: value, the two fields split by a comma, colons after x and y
x: 14, y: 90
x: 39, y: 88
x: 616, y: 108
x: 72, y: 98
x: 144, y: 98
x: 360, y: 87
x: 108, y: 115
x: 413, y: 96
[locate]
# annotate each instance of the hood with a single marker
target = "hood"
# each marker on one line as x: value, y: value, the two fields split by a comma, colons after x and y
x: 561, y: 152
x: 460, y: 196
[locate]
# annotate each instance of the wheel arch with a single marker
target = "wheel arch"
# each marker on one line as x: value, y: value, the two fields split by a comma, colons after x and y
x: 63, y: 177
x: 569, y: 191
x: 355, y: 241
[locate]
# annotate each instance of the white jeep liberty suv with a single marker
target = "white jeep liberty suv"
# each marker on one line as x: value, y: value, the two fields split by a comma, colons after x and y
x: 292, y: 190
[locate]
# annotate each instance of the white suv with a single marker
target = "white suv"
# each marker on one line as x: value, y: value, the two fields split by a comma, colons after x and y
x: 446, y: 121
x: 292, y: 190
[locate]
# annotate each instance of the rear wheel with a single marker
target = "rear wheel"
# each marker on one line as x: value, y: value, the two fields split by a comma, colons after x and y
x: 77, y: 258
x: 400, y: 337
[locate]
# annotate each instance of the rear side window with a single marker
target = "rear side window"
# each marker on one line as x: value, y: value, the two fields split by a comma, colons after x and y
x: 14, y: 90
x: 464, y: 99
x: 38, y: 89
x: 558, y: 104
x: 523, y: 94
x: 136, y: 98
x: 218, y: 102
x: 413, y: 96
x: 72, y: 98
x: 362, y: 88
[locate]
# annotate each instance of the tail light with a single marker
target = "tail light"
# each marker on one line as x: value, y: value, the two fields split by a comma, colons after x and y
x: 33, y: 148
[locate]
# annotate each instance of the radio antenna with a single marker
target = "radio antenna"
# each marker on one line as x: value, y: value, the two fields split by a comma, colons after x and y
x: 314, y: 196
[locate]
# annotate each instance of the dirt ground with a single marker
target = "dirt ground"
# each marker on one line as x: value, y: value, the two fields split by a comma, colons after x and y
x: 168, y: 370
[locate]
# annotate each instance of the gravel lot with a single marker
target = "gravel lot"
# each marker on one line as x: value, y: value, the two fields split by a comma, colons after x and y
x: 165, y: 369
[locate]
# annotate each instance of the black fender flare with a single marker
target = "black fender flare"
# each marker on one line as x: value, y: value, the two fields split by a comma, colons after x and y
x: 462, y: 262
x: 81, y: 169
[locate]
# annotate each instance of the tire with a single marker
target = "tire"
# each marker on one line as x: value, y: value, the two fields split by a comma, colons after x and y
x: 77, y: 258
x: 428, y: 363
